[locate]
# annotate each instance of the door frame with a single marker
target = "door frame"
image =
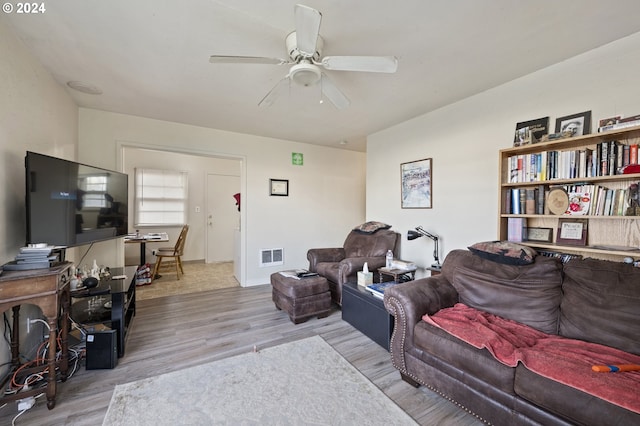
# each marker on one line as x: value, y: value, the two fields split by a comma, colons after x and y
x: 120, y: 147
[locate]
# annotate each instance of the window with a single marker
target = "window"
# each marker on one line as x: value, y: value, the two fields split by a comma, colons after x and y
x: 160, y: 197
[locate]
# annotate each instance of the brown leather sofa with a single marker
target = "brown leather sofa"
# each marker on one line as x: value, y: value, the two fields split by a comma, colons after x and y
x: 341, y: 264
x: 587, y: 300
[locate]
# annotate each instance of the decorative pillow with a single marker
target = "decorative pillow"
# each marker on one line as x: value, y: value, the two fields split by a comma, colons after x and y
x: 504, y: 252
x: 371, y: 227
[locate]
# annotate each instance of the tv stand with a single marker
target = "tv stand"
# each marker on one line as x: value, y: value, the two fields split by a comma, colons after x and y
x: 115, y: 305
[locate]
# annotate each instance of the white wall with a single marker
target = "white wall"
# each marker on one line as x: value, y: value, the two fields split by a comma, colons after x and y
x: 326, y: 194
x: 464, y: 139
x: 36, y: 114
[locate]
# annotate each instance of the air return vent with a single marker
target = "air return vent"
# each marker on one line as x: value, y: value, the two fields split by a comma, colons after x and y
x: 271, y: 257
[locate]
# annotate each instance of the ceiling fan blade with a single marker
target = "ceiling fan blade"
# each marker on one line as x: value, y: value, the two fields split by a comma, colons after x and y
x: 221, y: 59
x: 331, y: 91
x: 386, y: 64
x: 275, y: 93
x: 307, y: 29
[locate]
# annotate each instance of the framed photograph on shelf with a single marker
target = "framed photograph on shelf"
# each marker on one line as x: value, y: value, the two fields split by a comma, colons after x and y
x: 279, y: 187
x: 576, y: 124
x: 572, y: 232
x: 415, y: 181
x: 531, y: 131
x: 542, y: 235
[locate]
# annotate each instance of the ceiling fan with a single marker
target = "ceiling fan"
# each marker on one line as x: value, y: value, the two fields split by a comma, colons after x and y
x: 304, y: 46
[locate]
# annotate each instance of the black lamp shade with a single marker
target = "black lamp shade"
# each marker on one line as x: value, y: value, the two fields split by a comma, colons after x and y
x: 412, y: 235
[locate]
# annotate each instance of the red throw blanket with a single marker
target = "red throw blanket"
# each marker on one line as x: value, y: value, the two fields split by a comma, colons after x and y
x: 566, y: 361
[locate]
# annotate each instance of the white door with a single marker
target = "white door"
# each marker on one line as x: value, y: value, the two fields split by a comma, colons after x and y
x: 223, y: 217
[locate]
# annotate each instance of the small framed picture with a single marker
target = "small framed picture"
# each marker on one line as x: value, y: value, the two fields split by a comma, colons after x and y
x: 574, y: 125
x: 415, y: 181
x: 279, y: 187
x: 572, y: 232
x: 530, y: 131
x: 543, y: 235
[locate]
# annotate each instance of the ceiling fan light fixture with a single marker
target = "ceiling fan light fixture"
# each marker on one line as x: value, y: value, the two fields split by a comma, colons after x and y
x: 305, y: 74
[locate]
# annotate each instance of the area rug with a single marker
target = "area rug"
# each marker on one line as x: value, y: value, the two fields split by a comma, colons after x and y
x: 299, y: 383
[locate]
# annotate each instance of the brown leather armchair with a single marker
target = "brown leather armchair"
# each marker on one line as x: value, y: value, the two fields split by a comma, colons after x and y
x: 341, y: 264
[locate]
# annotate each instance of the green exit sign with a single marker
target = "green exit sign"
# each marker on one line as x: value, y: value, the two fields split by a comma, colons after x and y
x: 297, y: 158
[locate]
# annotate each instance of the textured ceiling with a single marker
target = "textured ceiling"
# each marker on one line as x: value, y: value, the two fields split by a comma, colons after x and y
x: 151, y: 58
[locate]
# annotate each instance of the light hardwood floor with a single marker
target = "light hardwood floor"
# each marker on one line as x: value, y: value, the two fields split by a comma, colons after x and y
x: 175, y: 332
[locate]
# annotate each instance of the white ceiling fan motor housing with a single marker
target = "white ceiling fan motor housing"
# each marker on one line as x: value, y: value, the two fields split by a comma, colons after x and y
x: 295, y: 55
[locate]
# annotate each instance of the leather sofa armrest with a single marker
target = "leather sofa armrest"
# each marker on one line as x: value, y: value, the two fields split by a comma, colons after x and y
x: 318, y: 255
x: 408, y: 302
x: 351, y: 265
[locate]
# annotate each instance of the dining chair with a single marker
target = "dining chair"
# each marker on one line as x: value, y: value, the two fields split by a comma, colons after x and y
x: 172, y: 256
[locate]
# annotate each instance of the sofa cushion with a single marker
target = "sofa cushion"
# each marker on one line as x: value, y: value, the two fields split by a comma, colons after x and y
x: 504, y: 252
x: 529, y: 294
x: 601, y: 303
x: 476, y: 362
x: 577, y: 406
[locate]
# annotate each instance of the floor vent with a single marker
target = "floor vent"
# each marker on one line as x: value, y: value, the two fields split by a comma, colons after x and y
x: 271, y: 257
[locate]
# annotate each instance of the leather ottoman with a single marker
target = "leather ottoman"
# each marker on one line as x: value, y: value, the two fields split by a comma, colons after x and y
x: 301, y: 298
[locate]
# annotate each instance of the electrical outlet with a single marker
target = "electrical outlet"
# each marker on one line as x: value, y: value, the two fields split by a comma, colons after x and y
x: 197, y: 209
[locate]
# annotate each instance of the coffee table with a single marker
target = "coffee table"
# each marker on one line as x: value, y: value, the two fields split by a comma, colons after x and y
x: 366, y: 313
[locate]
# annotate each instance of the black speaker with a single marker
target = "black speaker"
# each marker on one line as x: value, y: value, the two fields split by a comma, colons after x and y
x: 102, y: 350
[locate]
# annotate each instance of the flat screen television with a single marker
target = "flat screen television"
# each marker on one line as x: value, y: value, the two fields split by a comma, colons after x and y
x: 71, y: 204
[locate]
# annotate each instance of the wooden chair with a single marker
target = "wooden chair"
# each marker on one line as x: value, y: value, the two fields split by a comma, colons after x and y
x: 173, y: 255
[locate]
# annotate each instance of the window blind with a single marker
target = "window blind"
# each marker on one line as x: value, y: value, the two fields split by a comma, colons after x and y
x: 160, y: 197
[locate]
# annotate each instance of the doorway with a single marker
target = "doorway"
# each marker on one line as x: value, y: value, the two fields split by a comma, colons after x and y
x: 200, y: 165
x: 222, y: 217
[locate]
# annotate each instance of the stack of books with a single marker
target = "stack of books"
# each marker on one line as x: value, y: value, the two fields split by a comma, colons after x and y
x: 378, y: 289
x: 34, y: 256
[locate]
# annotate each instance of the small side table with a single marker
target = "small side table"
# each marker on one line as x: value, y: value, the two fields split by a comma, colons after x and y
x: 434, y: 271
x: 396, y: 273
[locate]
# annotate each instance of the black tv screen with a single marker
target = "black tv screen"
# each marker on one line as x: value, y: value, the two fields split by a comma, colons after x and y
x: 70, y: 204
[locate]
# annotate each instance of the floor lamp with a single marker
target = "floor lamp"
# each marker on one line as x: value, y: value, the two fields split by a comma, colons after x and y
x: 420, y: 232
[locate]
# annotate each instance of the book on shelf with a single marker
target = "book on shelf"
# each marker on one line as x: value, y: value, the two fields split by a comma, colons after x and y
x: 378, y: 289
x: 564, y: 257
x: 621, y: 123
x: 530, y: 201
x: 607, y: 159
x: 579, y: 200
x: 516, y: 229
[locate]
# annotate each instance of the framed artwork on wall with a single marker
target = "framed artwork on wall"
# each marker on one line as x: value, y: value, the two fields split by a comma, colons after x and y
x: 415, y: 181
x: 279, y: 187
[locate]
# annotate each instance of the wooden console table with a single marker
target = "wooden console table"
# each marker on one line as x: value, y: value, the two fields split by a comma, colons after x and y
x: 49, y: 290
